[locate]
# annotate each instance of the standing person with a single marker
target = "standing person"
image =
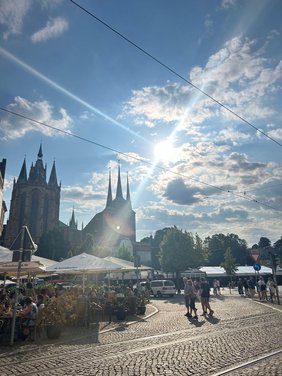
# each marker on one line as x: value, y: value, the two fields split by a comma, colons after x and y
x: 272, y: 290
x: 205, y: 296
x: 214, y: 287
x: 251, y: 287
x: 218, y: 286
x: 246, y: 289
x: 261, y: 288
x: 186, y: 297
x: 240, y: 287
x: 191, y: 293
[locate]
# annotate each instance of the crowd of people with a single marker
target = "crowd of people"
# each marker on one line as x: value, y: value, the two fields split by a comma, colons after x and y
x: 51, y: 305
x: 249, y: 287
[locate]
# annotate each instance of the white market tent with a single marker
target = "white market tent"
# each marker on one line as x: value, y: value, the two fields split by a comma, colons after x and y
x: 83, y: 264
x: 6, y: 256
x: 243, y: 271
x: 128, y: 269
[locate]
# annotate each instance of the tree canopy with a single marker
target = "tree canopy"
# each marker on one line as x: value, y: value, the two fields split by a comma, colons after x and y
x: 180, y: 250
x: 217, y: 244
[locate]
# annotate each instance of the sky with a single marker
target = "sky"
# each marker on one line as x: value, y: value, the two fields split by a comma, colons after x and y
x: 193, y: 116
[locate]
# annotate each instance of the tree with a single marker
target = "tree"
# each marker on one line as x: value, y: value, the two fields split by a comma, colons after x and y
x: 124, y: 254
x: 217, y: 244
x: 278, y: 250
x: 53, y: 246
x: 229, y: 263
x: 179, y: 252
x: 264, y: 242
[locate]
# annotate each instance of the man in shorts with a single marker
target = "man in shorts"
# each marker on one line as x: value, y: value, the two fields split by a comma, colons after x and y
x: 205, y: 296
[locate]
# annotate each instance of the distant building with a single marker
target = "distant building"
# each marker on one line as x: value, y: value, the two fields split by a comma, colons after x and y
x: 35, y: 202
x: 116, y: 222
x: 3, y: 207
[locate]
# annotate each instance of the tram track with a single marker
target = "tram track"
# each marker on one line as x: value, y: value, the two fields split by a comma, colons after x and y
x: 247, y: 364
x: 96, y: 354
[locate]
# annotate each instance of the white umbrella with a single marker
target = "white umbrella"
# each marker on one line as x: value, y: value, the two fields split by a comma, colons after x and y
x: 83, y: 264
x: 11, y: 268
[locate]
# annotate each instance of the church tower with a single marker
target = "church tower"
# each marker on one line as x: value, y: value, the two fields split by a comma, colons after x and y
x: 116, y: 222
x: 34, y: 203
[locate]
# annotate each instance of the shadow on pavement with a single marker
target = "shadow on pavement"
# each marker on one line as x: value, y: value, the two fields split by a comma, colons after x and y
x: 211, y: 319
x: 195, y: 322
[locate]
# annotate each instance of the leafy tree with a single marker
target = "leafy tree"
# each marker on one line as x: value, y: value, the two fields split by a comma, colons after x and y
x: 264, y: 242
x: 178, y: 251
x: 52, y: 245
x: 229, y: 263
x: 278, y: 250
x: 124, y: 254
x: 217, y: 244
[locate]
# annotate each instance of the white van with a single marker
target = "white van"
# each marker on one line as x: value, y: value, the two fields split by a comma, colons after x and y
x: 162, y: 287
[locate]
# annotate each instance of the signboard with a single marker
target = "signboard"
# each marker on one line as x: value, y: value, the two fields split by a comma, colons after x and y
x: 257, y: 267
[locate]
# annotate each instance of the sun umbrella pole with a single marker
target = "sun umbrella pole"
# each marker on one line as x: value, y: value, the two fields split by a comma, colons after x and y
x: 17, y: 288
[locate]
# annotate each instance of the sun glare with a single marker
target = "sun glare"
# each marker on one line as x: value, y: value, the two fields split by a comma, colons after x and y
x: 165, y: 152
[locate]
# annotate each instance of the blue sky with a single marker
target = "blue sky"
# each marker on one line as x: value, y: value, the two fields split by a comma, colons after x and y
x: 191, y: 163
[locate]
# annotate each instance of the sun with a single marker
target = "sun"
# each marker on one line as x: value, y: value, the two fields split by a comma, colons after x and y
x: 165, y: 152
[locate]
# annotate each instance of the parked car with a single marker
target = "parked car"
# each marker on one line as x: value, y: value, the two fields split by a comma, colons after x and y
x: 162, y: 287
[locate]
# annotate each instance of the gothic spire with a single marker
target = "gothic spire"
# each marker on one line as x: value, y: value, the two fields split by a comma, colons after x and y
x: 72, y: 223
x: 37, y: 174
x: 119, y: 189
x: 128, y: 191
x: 109, y: 197
x: 53, y: 176
x: 23, y: 176
x: 40, y: 154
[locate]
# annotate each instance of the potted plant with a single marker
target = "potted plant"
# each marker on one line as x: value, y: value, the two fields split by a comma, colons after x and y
x: 54, y: 317
x: 120, y: 308
x: 141, y: 304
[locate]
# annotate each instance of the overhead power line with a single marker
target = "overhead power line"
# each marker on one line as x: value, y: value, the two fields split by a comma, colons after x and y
x: 139, y: 159
x: 175, y: 72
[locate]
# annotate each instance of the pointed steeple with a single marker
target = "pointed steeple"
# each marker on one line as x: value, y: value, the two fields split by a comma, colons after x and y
x: 53, y: 176
x: 23, y: 175
x: 128, y: 192
x: 40, y: 154
x: 72, y: 223
x: 109, y: 197
x: 119, y: 189
x: 37, y: 174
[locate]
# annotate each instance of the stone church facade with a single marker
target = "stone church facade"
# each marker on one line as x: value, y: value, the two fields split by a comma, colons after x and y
x: 36, y: 202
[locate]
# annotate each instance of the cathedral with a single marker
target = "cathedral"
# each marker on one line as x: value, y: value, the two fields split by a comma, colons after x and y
x: 35, y: 203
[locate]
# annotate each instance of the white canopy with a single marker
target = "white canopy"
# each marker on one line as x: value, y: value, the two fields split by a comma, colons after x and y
x: 6, y: 256
x: 126, y: 265
x: 10, y: 268
x: 83, y: 263
x: 218, y: 271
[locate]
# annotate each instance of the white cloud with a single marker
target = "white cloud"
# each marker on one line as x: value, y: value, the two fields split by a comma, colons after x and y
x: 12, y: 127
x: 54, y: 28
x: 228, y: 3
x: 12, y: 14
x: 238, y: 75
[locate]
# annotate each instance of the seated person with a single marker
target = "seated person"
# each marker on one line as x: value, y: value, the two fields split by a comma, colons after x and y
x: 28, y: 317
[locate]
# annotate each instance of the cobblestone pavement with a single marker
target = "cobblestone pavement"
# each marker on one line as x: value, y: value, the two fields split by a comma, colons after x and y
x: 165, y: 344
